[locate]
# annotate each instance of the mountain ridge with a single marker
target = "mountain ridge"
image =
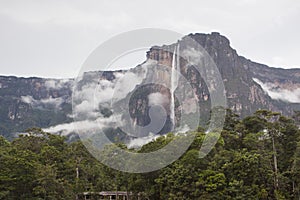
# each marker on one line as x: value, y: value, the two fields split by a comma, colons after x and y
x: 46, y: 102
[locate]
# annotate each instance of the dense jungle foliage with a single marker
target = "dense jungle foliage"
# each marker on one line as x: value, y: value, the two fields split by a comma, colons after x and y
x: 257, y: 157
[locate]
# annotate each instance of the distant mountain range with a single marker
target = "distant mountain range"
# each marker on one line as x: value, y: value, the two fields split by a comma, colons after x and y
x: 47, y: 103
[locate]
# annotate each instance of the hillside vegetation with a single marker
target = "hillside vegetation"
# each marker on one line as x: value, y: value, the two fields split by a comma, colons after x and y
x: 255, y: 158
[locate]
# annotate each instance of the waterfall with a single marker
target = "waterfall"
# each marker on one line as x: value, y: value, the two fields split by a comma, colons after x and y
x: 174, y: 83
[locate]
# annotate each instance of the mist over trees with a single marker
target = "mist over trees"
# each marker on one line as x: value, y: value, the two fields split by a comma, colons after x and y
x: 257, y: 157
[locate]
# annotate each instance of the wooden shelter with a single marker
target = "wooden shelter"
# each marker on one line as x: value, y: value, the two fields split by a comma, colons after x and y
x: 108, y: 195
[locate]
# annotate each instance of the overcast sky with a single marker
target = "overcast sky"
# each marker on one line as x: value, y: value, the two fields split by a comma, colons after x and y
x: 52, y: 38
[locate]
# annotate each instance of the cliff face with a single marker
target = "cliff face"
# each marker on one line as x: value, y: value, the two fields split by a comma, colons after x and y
x: 245, y: 81
x: 27, y: 102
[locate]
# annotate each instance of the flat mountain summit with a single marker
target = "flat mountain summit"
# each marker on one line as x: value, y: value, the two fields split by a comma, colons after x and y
x: 47, y: 103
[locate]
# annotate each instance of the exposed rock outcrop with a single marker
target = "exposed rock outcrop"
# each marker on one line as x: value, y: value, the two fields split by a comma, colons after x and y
x: 27, y: 102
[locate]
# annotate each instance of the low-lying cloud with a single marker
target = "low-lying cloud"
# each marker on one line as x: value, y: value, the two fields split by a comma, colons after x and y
x: 42, y: 103
x: 158, y: 99
x: 292, y: 96
x: 138, y: 142
x: 91, y: 96
x: 57, y: 84
x: 84, y: 127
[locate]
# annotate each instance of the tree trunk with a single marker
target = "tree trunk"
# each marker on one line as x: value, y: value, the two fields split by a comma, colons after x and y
x: 276, y: 182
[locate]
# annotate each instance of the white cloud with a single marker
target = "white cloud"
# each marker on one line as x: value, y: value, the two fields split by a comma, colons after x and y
x: 87, y: 99
x: 63, y: 14
x: 58, y: 83
x: 182, y: 129
x: 158, y: 99
x: 27, y: 99
x: 53, y: 102
x: 292, y: 96
x: 192, y: 55
x: 138, y: 142
x: 83, y: 128
x: 99, y: 92
x: 59, y: 35
x: 126, y: 84
x: 51, y: 84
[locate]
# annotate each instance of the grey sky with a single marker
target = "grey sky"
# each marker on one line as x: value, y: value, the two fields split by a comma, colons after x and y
x: 52, y: 38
